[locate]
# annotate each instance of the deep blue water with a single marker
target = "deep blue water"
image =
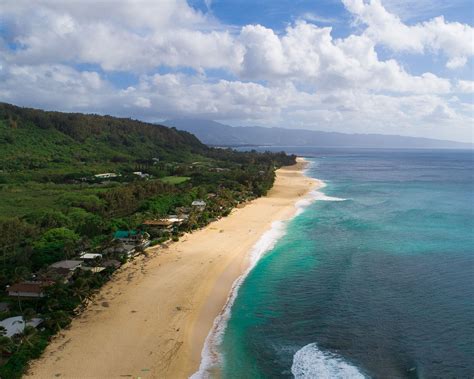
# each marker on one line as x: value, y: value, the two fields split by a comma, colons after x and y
x: 380, y: 284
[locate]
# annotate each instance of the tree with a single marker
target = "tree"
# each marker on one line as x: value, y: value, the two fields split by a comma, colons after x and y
x: 54, y: 245
x: 6, y: 345
x: 48, y: 219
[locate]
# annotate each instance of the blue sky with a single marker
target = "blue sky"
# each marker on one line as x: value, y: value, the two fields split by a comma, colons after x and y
x: 365, y: 66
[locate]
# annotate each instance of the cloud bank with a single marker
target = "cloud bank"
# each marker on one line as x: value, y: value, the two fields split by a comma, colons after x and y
x: 183, y: 62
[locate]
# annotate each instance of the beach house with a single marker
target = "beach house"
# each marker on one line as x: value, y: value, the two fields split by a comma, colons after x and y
x: 138, y: 239
x: 16, y: 325
x: 27, y: 289
x: 70, y: 265
x: 90, y: 256
x: 121, y: 249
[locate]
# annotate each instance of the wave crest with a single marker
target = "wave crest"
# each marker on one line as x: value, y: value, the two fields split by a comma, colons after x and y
x: 311, y: 363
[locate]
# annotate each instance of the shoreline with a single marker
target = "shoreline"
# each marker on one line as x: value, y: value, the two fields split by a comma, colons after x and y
x: 152, y: 319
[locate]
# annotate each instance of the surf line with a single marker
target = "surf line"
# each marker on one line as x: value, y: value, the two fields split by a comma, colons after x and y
x: 211, y: 358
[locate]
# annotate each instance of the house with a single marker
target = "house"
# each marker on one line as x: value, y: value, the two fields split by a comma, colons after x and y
x: 199, y: 204
x: 16, y: 325
x: 139, y: 240
x: 159, y: 227
x: 106, y: 175
x: 70, y: 265
x: 94, y: 270
x: 122, y: 249
x: 27, y: 289
x: 90, y: 256
x: 126, y: 249
x: 128, y: 236
x: 141, y: 174
x: 56, y: 274
x: 165, y: 222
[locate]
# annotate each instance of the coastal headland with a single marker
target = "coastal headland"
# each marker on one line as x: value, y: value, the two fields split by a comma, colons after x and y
x: 152, y: 318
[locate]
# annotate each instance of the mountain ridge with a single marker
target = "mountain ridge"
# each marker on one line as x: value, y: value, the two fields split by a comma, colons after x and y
x: 217, y: 134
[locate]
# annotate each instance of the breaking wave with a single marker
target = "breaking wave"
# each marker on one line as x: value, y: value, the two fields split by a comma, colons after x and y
x: 211, y: 358
x: 311, y: 363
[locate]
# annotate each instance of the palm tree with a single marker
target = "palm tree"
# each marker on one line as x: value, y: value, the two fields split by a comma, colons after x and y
x: 28, y: 314
x: 6, y: 345
x: 57, y: 320
x: 28, y: 334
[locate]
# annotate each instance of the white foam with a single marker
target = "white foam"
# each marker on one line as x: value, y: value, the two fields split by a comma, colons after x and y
x: 315, y: 195
x: 311, y: 363
x: 211, y: 359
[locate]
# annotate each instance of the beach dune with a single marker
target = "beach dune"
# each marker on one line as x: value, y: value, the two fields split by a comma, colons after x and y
x: 152, y: 318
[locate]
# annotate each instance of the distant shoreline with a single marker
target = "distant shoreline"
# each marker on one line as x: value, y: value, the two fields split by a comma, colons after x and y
x: 152, y: 319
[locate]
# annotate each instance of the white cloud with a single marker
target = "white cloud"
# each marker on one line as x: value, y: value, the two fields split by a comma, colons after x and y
x: 301, y: 76
x: 313, y: 17
x: 143, y: 102
x: 456, y: 62
x: 452, y: 39
x: 307, y: 53
x: 465, y: 86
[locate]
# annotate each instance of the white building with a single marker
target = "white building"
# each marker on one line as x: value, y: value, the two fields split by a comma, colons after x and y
x: 16, y: 325
x: 90, y: 256
x: 106, y: 175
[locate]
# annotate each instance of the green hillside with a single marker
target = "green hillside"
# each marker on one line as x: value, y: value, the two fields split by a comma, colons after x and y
x: 76, y: 143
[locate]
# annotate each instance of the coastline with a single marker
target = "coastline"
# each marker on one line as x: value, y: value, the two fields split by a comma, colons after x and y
x: 152, y: 319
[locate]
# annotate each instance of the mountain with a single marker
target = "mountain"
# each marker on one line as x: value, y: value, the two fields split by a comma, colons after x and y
x: 217, y: 134
x: 32, y: 139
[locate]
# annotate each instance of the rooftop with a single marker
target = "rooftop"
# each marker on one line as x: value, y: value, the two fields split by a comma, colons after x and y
x: 90, y: 256
x: 31, y: 287
x: 166, y: 221
x: 71, y: 265
x: 16, y: 325
x: 125, y: 233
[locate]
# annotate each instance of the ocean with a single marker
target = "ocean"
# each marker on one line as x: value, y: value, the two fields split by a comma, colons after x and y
x: 373, y: 278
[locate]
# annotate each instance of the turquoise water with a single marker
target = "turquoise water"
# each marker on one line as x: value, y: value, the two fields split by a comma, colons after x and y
x: 379, y: 285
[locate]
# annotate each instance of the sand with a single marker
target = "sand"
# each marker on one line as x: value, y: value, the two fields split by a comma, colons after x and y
x: 152, y: 318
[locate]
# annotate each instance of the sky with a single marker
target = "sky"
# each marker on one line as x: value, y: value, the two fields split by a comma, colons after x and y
x: 358, y: 66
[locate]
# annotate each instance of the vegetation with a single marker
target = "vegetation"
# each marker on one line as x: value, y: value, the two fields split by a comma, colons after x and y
x: 175, y: 179
x: 54, y: 205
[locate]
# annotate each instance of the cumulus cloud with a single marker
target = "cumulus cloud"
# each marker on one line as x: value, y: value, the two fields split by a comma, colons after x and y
x: 301, y: 76
x: 452, y: 39
x: 465, y: 86
x: 307, y: 53
x: 125, y: 35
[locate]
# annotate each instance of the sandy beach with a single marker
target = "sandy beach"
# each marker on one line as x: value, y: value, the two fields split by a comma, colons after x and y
x: 152, y: 318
